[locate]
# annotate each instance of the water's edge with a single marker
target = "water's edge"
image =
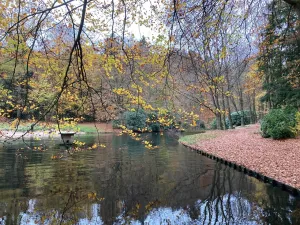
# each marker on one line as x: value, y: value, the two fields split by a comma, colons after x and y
x: 285, y: 187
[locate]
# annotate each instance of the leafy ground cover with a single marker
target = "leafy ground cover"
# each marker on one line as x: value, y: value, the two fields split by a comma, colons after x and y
x: 278, y: 159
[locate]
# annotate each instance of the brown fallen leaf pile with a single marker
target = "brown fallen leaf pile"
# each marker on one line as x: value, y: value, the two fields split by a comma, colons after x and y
x: 278, y: 159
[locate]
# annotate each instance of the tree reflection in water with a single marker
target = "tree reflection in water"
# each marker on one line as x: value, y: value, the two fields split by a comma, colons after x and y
x: 127, y: 184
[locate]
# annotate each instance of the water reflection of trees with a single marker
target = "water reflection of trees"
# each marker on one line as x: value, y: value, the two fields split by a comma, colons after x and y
x: 214, y: 194
x: 140, y: 185
x: 238, y: 199
x: 224, y: 193
x: 29, y: 175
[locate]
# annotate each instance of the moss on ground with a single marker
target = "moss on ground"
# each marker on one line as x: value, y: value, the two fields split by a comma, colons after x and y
x: 193, y: 139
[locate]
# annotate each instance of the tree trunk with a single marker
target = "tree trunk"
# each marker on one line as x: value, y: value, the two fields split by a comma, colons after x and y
x: 19, y: 102
x: 254, y: 107
x: 250, y: 109
x: 215, y: 99
x: 229, y: 113
x: 219, y: 121
x: 227, y: 100
x: 219, y: 115
x: 242, y: 108
x: 223, y: 110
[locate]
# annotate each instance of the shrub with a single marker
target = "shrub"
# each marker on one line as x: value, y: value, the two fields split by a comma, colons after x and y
x: 152, y: 116
x: 152, y: 122
x: 236, y: 118
x: 116, y: 124
x: 88, y: 118
x: 155, y: 127
x: 279, y: 124
x: 213, y: 124
x: 200, y: 124
x: 135, y: 120
x: 185, y: 125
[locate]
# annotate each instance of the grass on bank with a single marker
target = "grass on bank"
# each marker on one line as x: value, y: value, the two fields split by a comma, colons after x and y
x: 23, y: 127
x: 89, y: 128
x: 194, y: 138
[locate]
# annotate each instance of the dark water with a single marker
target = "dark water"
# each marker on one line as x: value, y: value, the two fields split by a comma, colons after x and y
x: 125, y: 183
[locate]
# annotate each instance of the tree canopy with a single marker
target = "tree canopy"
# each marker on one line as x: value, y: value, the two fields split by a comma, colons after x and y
x: 84, y: 59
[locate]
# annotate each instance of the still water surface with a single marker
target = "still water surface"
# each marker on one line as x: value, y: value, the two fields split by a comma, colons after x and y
x: 126, y: 183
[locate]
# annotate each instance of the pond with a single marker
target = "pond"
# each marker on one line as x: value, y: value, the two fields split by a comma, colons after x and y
x: 126, y: 183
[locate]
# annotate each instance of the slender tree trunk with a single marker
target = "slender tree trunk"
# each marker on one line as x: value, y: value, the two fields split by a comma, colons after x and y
x: 251, y: 117
x: 19, y: 102
x: 219, y: 115
x: 224, y: 110
x: 227, y: 100
x: 215, y: 100
x: 229, y: 113
x: 234, y: 104
x: 254, y: 107
x: 250, y: 108
x: 219, y: 121
x: 242, y: 108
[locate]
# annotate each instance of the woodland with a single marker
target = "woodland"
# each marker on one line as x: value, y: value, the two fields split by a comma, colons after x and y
x: 132, y: 84
x: 151, y: 65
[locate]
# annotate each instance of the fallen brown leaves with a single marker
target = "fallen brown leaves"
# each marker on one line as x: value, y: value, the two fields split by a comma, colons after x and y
x: 278, y: 159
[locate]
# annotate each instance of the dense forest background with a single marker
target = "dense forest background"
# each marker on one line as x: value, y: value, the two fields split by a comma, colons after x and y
x: 209, y: 63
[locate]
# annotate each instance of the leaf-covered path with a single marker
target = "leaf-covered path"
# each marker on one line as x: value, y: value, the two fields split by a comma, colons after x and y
x: 277, y: 159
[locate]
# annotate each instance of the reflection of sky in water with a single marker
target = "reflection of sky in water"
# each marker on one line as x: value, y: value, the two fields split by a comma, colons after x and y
x: 226, y: 210
x: 31, y: 217
x: 169, y: 185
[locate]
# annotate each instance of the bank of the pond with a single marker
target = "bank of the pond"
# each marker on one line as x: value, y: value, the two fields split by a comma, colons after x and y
x: 244, y: 147
x: 82, y: 128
